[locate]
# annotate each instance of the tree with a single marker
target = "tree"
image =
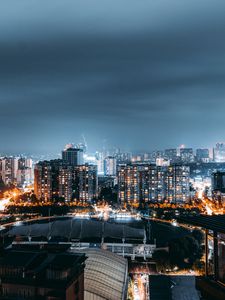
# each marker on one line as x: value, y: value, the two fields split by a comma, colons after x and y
x: 162, y: 260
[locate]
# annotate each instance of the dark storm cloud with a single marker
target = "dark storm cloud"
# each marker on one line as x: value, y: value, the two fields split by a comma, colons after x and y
x: 146, y: 76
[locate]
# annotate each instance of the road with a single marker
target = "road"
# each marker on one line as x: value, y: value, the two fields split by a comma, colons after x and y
x: 140, y: 287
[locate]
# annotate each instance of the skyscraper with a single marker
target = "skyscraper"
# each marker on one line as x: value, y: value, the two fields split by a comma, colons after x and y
x: 177, y: 189
x: 72, y: 156
x: 128, y: 184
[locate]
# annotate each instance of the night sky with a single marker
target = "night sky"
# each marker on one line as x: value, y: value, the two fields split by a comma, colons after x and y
x: 139, y: 74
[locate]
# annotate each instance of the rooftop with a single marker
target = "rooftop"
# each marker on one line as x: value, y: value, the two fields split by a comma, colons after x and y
x: 105, y: 275
x: 215, y: 222
x: 77, y: 229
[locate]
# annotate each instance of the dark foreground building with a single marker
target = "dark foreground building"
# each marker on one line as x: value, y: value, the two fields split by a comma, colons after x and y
x: 164, y: 287
x: 41, y: 275
x: 212, y: 285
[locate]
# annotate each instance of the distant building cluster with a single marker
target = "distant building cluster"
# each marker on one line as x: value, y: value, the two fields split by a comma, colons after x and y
x: 16, y: 171
x: 173, y: 175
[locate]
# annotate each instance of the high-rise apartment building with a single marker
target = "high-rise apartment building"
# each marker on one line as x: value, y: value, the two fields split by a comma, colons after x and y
x: 151, y: 183
x: 16, y: 170
x: 57, y: 180
x: 88, y: 182
x: 46, y: 180
x: 128, y: 184
x: 176, y: 182
x: 140, y: 184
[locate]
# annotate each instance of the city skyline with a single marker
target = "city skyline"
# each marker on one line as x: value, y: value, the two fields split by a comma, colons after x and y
x: 112, y: 152
x: 144, y: 75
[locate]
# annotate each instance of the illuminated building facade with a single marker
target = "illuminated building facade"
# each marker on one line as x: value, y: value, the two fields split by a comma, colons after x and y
x: 9, y: 166
x: 139, y: 184
x: 151, y: 183
x: 46, y: 180
x: 110, y: 166
x: 55, y: 180
x: 16, y: 170
x: 144, y: 183
x: 128, y: 184
x: 177, y: 183
x: 87, y: 182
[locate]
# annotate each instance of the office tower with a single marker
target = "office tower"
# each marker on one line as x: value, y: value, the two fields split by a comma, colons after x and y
x: 72, y: 156
x: 186, y: 155
x: 110, y: 166
x: 177, y: 183
x: 202, y: 155
x: 219, y: 152
x: 171, y: 154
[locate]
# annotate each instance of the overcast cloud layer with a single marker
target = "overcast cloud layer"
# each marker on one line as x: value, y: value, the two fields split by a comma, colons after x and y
x: 139, y: 74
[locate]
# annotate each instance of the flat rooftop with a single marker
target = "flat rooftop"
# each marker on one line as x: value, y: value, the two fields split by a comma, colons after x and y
x: 215, y: 223
x: 164, y: 287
